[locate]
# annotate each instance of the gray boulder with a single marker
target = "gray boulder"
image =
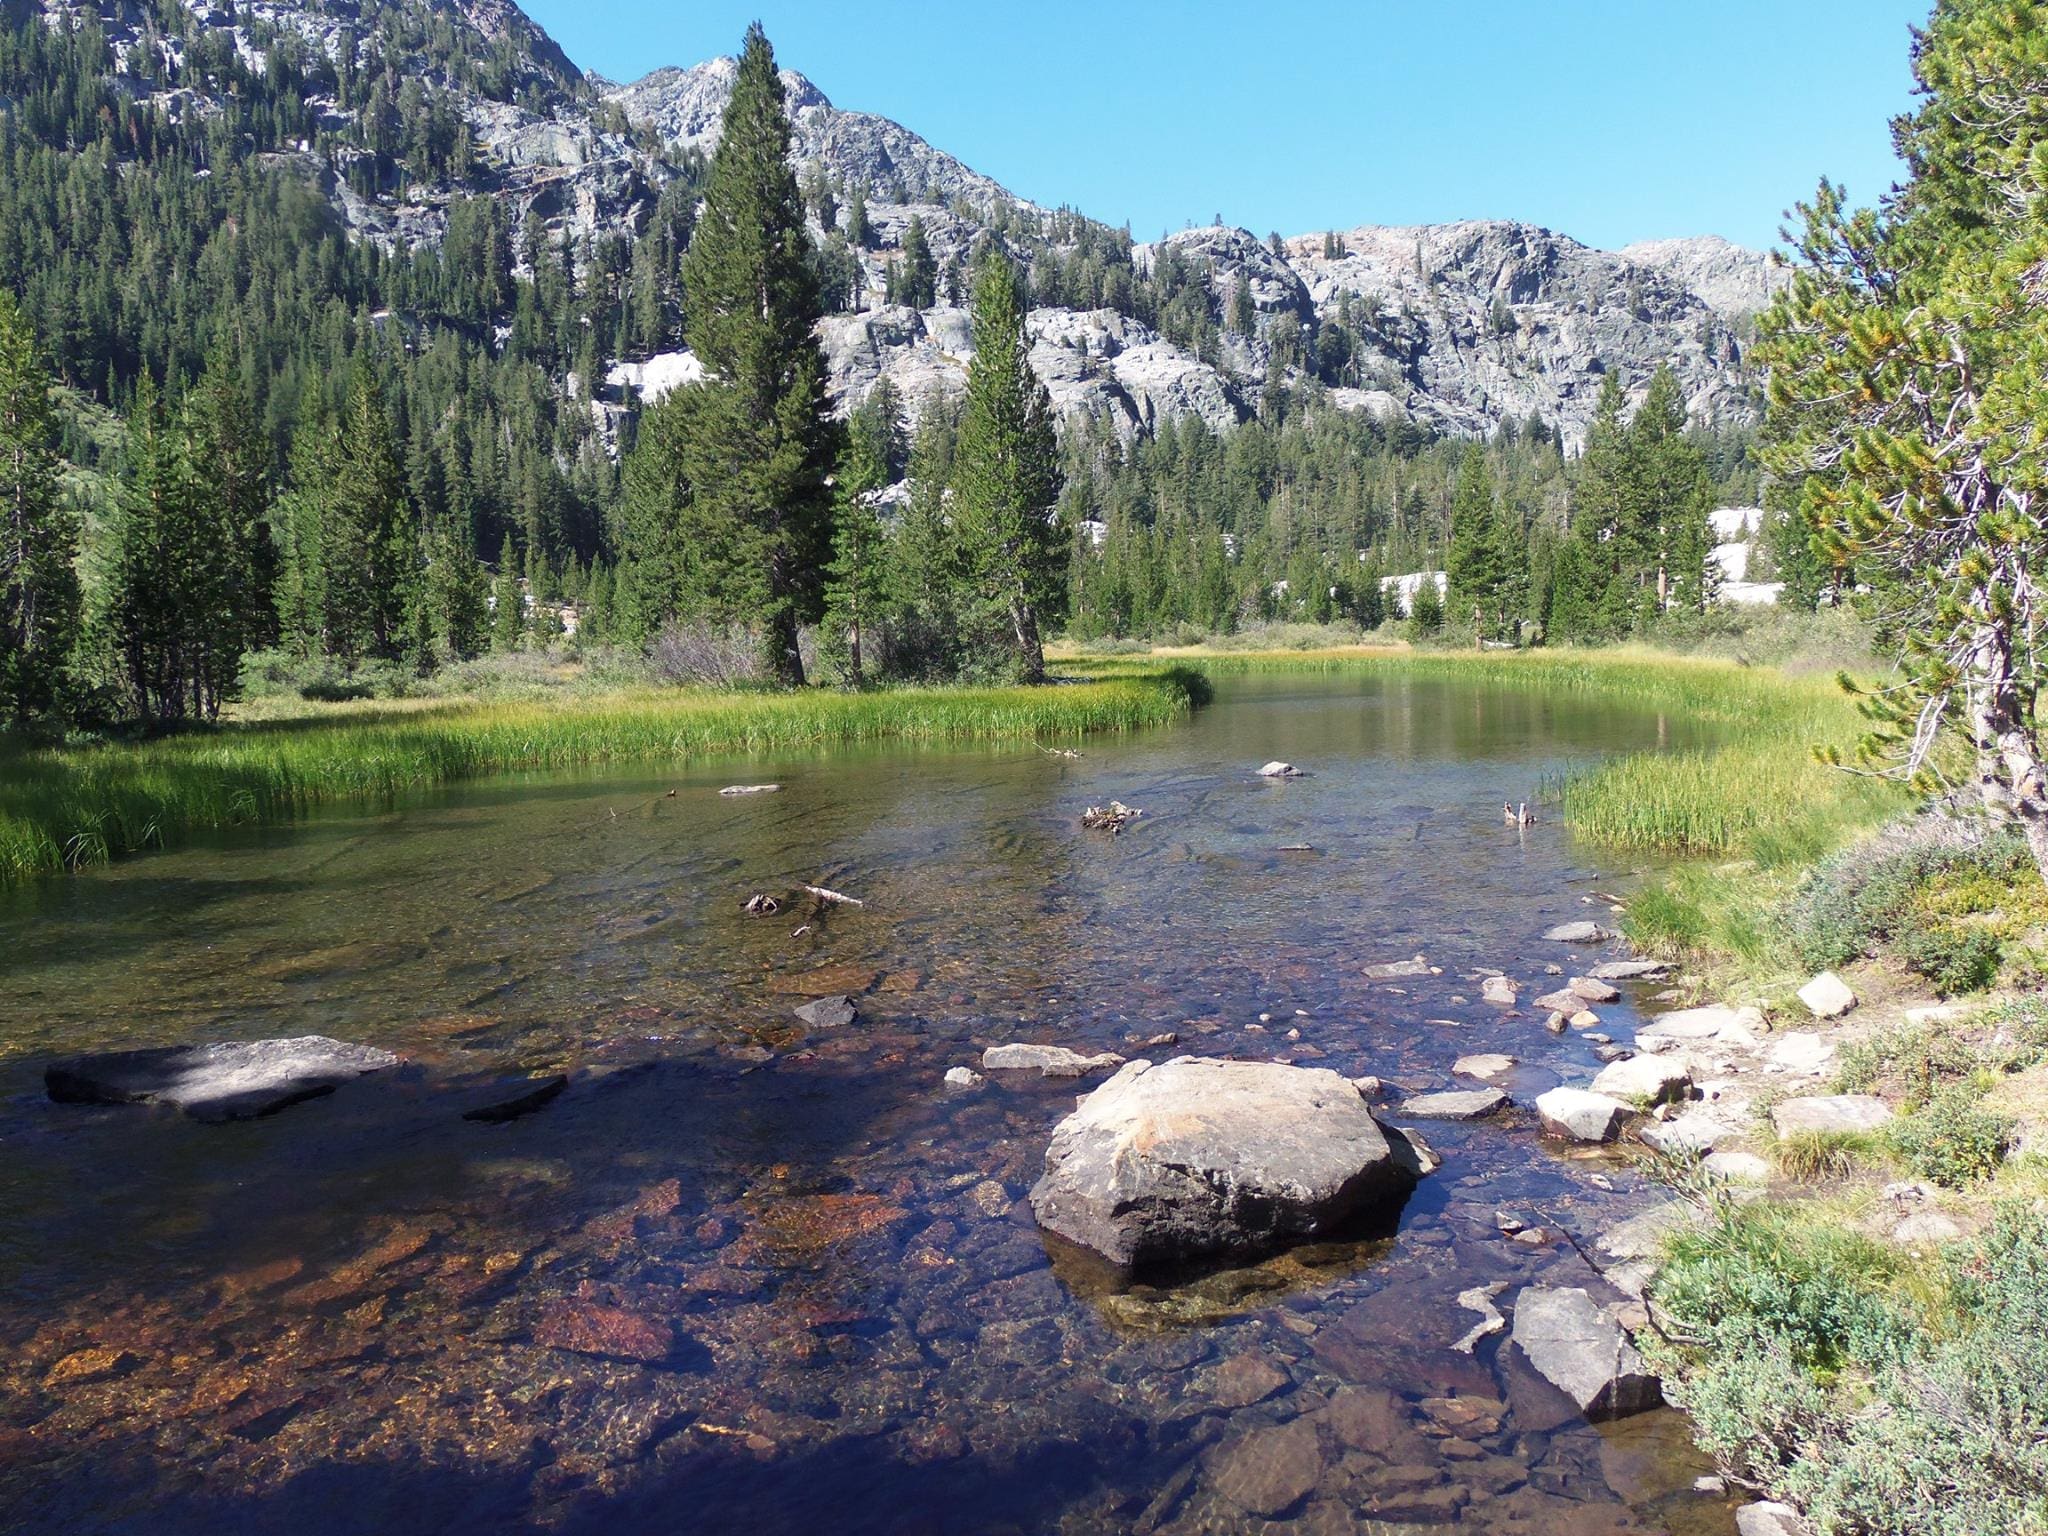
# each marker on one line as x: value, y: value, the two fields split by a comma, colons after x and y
x: 1644, y: 1080
x: 1198, y: 1156
x: 1575, y: 1344
x: 1046, y: 1060
x: 1578, y: 933
x: 1770, y: 1518
x: 1455, y: 1104
x: 221, y: 1080
x: 1831, y: 1113
x: 828, y: 1012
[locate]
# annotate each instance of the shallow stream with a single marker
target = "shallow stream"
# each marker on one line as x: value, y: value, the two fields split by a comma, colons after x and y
x: 747, y: 1275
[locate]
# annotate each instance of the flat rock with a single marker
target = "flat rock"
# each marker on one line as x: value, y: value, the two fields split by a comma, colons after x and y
x: 1499, y: 991
x: 1802, y: 1051
x: 222, y: 1080
x: 1926, y: 1227
x: 1578, y: 933
x: 1575, y: 1344
x: 828, y: 1012
x: 1593, y: 990
x: 1268, y: 1471
x: 516, y: 1096
x: 1693, y: 1134
x: 1582, y: 1115
x: 1770, y: 1518
x: 1279, y: 770
x: 1485, y: 1065
x: 750, y: 789
x: 1455, y: 1104
x: 1563, y: 1000
x: 1644, y: 1080
x: 1686, y: 1024
x: 1046, y: 1060
x: 588, y: 1328
x: 1396, y: 970
x: 1827, y: 996
x: 1736, y: 1167
x: 1642, y: 1235
x: 1199, y: 1156
x: 1243, y: 1380
x: 1628, y: 970
x: 1839, y: 1112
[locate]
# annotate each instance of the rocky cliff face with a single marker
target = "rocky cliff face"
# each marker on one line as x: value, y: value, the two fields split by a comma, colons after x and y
x: 1455, y: 327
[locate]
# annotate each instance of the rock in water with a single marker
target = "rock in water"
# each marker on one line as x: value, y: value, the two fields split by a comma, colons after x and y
x: 1279, y: 770
x: 1581, y: 1115
x: 1455, y: 1104
x: 1199, y: 1156
x: 1578, y: 933
x: 1046, y: 1060
x: 828, y: 1012
x: 1576, y: 1345
x: 1644, y: 1080
x: 514, y: 1097
x: 221, y: 1080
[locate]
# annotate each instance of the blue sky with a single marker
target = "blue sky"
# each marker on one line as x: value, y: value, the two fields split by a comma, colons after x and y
x: 1609, y: 120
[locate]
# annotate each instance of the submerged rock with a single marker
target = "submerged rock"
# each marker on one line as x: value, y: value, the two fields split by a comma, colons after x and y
x: 1396, y: 970
x: 1199, y: 1156
x: 1268, y: 1471
x: 1483, y: 1065
x: 223, y: 1080
x: 1575, y: 1344
x: 1499, y: 991
x: 516, y: 1096
x: 963, y: 1077
x: 1628, y: 970
x: 828, y: 1012
x: 1046, y: 1060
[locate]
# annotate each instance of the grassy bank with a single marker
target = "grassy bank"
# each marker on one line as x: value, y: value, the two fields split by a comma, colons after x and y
x: 66, y: 808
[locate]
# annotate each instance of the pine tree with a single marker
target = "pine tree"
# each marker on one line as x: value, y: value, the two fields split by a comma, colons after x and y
x: 1426, y: 608
x: 854, y: 581
x: 759, y: 441
x: 1006, y: 476
x: 230, y: 461
x: 38, y: 535
x: 508, y: 602
x: 1473, y: 566
x: 914, y: 280
x: 369, y: 552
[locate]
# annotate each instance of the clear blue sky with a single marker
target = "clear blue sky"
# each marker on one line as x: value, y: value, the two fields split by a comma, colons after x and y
x: 1610, y: 120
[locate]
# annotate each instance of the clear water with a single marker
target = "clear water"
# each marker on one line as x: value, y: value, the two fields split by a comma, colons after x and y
x: 746, y: 1275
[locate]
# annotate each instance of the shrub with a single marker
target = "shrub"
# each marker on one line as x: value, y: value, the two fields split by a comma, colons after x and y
x: 1954, y: 1140
x: 707, y: 655
x: 1811, y: 1156
x: 1956, y: 958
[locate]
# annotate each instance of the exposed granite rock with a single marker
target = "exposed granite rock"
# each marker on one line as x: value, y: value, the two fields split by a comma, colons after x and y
x: 1582, y: 1116
x: 1198, y: 1156
x: 1576, y: 1345
x: 1831, y: 1113
x: 223, y: 1080
x: 1456, y: 1104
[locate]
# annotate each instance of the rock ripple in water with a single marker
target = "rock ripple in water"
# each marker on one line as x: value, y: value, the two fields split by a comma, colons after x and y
x: 221, y: 1080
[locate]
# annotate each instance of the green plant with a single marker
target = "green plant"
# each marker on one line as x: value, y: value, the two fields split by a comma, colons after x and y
x: 1956, y: 958
x: 1812, y: 1156
x: 1953, y: 1140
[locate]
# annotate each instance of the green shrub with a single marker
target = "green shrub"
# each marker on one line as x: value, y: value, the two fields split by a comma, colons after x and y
x: 1811, y: 1156
x: 1955, y: 958
x: 1954, y: 1140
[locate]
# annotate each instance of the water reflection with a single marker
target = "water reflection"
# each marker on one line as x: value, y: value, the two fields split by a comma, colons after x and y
x: 751, y: 1274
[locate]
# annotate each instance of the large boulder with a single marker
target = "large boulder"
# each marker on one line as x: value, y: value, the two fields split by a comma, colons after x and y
x: 1575, y: 1344
x: 220, y: 1080
x: 1827, y: 996
x: 1582, y: 1115
x: 1644, y: 1080
x: 1198, y: 1156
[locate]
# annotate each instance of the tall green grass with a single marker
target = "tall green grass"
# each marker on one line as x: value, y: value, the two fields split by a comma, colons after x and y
x: 66, y: 808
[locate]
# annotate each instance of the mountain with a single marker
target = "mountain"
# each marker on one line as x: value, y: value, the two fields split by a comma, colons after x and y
x: 403, y: 114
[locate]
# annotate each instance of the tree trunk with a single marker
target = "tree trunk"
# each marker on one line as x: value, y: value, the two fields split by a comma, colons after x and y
x: 2009, y: 756
x: 1030, y: 651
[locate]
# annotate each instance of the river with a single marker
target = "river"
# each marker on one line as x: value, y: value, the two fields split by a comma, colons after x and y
x: 749, y: 1275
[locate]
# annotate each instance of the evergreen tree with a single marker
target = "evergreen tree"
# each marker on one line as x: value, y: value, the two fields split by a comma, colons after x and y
x: 854, y: 582
x: 457, y: 595
x: 1006, y: 476
x: 758, y: 438
x: 230, y: 471
x: 369, y: 551
x: 914, y: 279
x: 1473, y: 566
x: 1425, y: 608
x: 508, y: 602
x: 38, y: 535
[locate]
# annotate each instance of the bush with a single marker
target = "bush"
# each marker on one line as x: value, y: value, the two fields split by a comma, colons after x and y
x: 1956, y: 958
x: 1954, y: 1140
x: 706, y: 655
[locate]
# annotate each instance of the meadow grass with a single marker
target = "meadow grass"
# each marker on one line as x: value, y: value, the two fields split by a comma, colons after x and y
x: 66, y: 808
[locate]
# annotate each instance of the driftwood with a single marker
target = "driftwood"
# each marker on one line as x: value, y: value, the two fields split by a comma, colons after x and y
x: 750, y: 789
x: 834, y: 897
x: 1113, y: 817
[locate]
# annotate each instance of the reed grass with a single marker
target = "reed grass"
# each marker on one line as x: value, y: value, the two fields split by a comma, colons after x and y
x: 68, y: 808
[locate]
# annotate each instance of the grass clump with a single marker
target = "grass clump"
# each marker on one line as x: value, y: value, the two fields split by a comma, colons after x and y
x: 1820, y: 1368
x: 1814, y: 1157
x: 66, y: 808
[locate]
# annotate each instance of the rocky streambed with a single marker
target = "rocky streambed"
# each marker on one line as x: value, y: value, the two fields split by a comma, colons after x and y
x: 746, y: 1268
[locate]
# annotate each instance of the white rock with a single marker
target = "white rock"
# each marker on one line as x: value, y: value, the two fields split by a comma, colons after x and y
x: 1581, y: 1115
x: 1800, y: 1050
x: 1485, y: 1066
x: 1047, y: 1060
x: 1279, y: 770
x: 1692, y: 1133
x: 1769, y: 1518
x: 963, y: 1077
x: 1499, y: 991
x: 1827, y: 996
x: 1644, y: 1080
x: 1578, y: 933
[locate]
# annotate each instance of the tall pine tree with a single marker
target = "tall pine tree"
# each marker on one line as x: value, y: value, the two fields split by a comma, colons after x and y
x: 38, y: 535
x: 1006, y: 473
x: 758, y: 442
